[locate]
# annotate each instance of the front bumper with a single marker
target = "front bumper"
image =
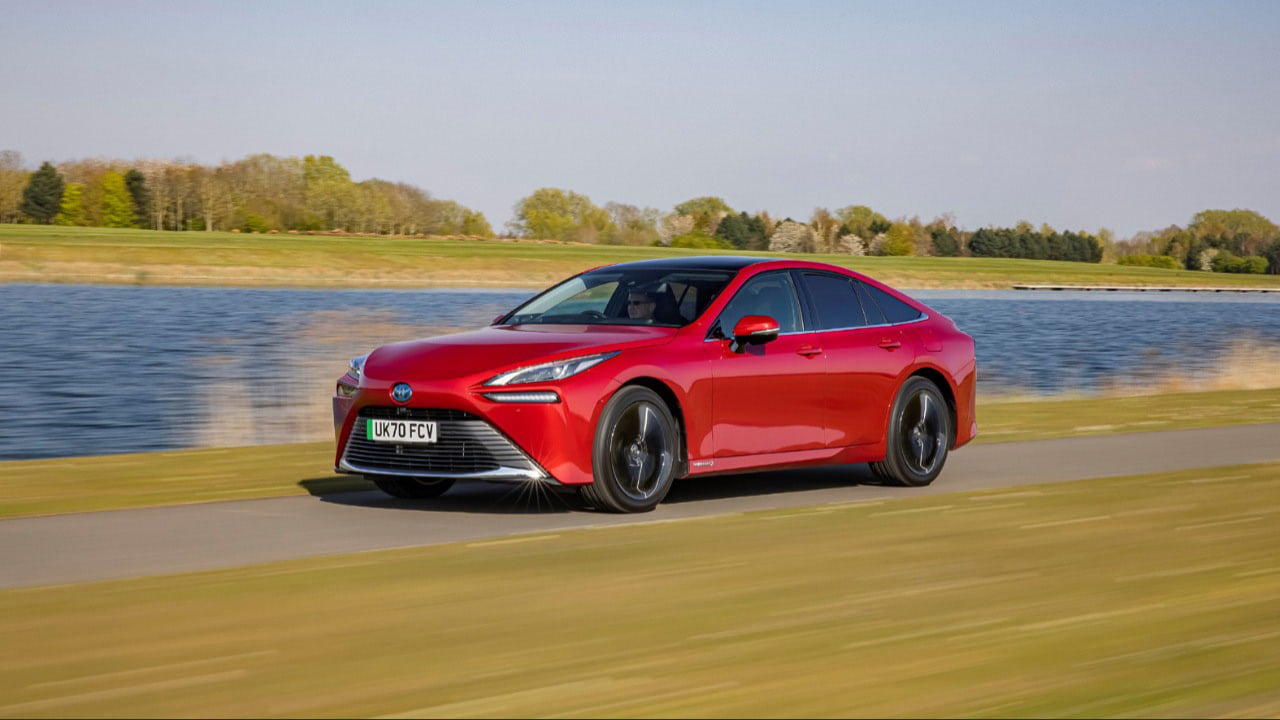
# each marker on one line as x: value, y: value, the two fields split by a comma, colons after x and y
x: 467, y: 448
x: 550, y: 442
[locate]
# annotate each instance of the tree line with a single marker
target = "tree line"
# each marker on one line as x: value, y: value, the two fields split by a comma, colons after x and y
x: 1217, y: 240
x: 259, y: 193
x: 265, y: 193
x: 1237, y: 241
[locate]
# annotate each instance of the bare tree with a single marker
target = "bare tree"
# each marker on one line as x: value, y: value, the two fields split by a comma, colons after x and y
x: 12, y: 181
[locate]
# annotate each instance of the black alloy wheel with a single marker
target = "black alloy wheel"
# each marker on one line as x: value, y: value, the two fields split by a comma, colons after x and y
x: 411, y: 488
x: 634, y: 454
x: 918, y: 437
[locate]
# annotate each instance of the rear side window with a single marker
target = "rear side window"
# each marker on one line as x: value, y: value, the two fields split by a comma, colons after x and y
x: 895, y: 311
x: 835, y: 302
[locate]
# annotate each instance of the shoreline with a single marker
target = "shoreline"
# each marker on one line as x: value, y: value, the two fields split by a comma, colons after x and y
x: 302, y: 278
x: 57, y: 255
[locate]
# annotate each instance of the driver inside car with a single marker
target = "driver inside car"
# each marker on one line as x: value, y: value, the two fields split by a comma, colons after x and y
x: 641, y: 304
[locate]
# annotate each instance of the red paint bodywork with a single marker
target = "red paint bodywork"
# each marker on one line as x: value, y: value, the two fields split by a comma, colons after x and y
x: 806, y: 398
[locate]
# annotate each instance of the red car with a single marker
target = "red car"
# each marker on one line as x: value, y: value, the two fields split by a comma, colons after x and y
x: 624, y: 378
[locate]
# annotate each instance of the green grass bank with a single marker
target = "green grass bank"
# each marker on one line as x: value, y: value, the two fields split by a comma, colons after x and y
x: 31, y: 253
x: 1147, y: 596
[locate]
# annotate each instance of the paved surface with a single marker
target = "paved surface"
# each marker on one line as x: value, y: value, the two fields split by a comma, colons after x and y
x: 129, y: 543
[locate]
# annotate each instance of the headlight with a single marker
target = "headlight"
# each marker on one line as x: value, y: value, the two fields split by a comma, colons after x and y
x: 546, y: 372
x: 356, y: 367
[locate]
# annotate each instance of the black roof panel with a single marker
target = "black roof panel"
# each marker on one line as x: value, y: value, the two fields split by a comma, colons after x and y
x: 702, y: 262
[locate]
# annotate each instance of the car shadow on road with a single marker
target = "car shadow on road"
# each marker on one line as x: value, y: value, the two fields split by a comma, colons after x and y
x: 537, y: 498
x: 473, y: 497
x: 769, y: 482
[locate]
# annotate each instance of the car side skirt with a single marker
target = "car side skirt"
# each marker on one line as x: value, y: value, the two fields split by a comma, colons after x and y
x: 850, y: 455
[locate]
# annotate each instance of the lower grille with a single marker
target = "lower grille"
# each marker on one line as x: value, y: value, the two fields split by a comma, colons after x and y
x: 465, y: 446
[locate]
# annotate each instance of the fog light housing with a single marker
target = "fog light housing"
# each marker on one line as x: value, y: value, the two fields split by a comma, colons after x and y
x: 346, y: 391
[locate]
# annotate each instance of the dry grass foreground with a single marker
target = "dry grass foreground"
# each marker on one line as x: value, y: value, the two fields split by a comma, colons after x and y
x: 1145, y: 596
x: 42, y: 487
x: 30, y: 253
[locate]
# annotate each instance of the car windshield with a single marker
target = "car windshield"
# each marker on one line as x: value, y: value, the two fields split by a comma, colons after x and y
x: 651, y: 296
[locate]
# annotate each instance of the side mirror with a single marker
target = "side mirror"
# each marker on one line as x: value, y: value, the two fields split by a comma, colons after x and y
x: 753, y: 330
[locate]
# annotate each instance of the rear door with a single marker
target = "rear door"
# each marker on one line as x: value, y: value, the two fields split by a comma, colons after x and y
x: 769, y: 398
x: 866, y: 355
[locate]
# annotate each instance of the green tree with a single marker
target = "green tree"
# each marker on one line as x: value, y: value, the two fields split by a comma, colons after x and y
x: 700, y: 240
x: 900, y: 240
x: 555, y: 214
x: 735, y: 230
x: 136, y: 183
x: 1273, y: 258
x: 1226, y: 261
x: 330, y: 193
x: 71, y: 211
x: 1244, y: 232
x: 946, y: 241
x: 863, y: 221
x: 254, y: 224
x: 42, y: 198
x: 474, y: 223
x: 706, y: 211
x: 117, y: 205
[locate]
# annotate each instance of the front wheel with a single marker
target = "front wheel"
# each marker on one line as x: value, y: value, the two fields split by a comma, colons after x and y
x: 918, y: 437
x: 410, y: 488
x: 634, y: 453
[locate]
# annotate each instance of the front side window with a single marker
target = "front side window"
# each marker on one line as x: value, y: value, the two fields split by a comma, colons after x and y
x: 651, y: 296
x: 770, y: 294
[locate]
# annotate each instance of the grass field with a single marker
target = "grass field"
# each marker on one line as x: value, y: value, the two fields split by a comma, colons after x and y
x: 1146, y: 596
x: 41, y: 487
x: 30, y: 253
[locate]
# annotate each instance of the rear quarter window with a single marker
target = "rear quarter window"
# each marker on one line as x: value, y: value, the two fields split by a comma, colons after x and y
x: 895, y: 311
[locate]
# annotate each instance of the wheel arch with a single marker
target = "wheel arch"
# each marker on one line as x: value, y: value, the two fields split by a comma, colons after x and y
x: 940, y: 379
x: 672, y: 400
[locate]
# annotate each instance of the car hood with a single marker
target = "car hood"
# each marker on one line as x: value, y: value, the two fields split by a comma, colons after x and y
x: 494, y: 349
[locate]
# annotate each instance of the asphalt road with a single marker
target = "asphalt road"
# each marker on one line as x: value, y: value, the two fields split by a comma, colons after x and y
x: 129, y: 543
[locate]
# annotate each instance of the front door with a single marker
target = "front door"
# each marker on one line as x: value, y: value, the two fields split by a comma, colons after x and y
x: 770, y: 397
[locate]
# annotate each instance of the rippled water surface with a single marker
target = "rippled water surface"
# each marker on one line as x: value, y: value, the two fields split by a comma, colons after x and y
x: 90, y: 370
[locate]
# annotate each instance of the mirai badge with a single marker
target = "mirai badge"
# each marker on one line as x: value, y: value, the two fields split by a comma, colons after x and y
x: 401, y: 393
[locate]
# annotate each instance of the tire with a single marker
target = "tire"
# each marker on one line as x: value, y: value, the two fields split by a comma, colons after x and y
x: 634, y: 453
x: 410, y: 488
x: 918, y: 437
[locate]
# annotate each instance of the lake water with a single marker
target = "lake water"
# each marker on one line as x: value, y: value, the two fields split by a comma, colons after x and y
x: 90, y: 370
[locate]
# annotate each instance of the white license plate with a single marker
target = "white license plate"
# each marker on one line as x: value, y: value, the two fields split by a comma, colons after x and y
x: 401, y: 431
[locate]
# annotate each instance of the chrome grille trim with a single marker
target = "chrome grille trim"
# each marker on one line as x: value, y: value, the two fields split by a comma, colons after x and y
x: 467, y: 448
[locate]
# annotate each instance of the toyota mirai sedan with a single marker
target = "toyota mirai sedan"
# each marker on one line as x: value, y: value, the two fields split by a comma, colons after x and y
x: 624, y: 378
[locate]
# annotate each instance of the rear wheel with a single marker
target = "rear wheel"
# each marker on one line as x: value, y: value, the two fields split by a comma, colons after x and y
x: 410, y: 488
x: 634, y: 454
x: 918, y: 437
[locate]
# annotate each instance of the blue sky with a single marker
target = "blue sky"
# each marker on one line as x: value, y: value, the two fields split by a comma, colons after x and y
x: 1129, y: 116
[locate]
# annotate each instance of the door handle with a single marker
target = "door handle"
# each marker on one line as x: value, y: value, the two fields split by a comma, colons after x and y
x: 890, y: 345
x: 809, y: 351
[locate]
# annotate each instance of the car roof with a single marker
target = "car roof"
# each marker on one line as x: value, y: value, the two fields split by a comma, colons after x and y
x: 704, y: 262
